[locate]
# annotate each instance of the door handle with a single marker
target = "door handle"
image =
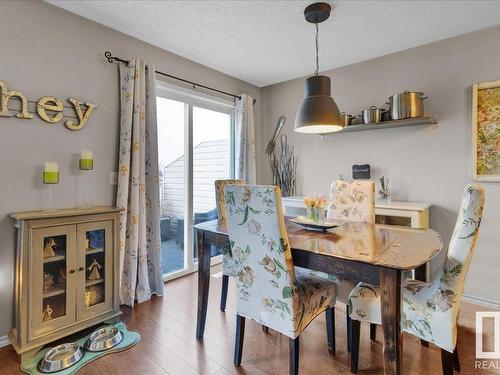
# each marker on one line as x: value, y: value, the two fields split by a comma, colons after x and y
x: 71, y: 271
x: 80, y: 269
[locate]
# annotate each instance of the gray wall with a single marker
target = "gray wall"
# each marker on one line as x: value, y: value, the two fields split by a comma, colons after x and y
x: 430, y: 164
x: 48, y: 51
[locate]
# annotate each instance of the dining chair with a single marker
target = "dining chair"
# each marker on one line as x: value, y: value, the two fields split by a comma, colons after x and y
x: 228, y: 269
x: 271, y: 291
x: 429, y: 310
x: 351, y: 201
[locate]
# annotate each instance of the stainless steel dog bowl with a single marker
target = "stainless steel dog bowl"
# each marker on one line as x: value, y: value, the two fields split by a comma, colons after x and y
x: 103, y: 339
x: 60, y: 357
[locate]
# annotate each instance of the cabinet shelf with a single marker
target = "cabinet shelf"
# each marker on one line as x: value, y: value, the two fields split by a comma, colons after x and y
x: 55, y: 291
x: 426, y: 120
x: 94, y: 251
x: 55, y: 258
x: 94, y: 282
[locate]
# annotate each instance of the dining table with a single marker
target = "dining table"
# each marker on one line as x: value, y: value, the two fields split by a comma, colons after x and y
x: 360, y: 252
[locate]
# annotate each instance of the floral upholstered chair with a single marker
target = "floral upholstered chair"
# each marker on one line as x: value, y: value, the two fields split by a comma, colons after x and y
x: 351, y: 201
x: 271, y: 290
x: 227, y: 258
x: 430, y: 310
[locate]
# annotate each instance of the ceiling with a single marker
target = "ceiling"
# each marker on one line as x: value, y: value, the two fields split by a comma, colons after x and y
x: 265, y: 42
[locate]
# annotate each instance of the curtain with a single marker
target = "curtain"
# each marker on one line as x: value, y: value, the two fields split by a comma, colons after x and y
x: 138, y: 185
x: 245, y: 140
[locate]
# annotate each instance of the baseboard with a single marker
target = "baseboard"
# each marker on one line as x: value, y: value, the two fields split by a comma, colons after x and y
x: 4, y: 341
x: 481, y: 301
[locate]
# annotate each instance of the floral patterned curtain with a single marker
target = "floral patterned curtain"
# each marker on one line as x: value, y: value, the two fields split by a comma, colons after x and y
x: 245, y: 140
x: 138, y: 185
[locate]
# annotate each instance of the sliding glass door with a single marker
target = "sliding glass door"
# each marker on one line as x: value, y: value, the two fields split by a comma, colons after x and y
x: 195, y: 140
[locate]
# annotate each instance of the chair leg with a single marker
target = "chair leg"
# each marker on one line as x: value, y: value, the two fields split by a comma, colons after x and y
x: 424, y: 343
x: 238, y: 341
x: 373, y: 331
x: 456, y: 360
x: 330, y: 329
x: 355, y: 332
x: 223, y: 295
x: 349, y: 329
x: 265, y: 329
x: 294, y: 356
x: 447, y: 362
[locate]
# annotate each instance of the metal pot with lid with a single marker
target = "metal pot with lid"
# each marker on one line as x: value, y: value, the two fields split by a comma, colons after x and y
x: 346, y: 118
x: 407, y: 104
x: 372, y: 115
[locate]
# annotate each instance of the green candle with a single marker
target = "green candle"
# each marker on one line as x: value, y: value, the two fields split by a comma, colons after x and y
x: 51, y: 173
x: 86, y: 161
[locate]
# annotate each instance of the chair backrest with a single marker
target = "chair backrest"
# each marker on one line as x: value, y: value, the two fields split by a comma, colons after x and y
x: 352, y: 201
x: 219, y: 195
x: 463, y: 241
x: 264, y: 269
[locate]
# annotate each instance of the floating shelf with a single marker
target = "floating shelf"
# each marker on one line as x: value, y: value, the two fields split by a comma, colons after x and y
x: 427, y: 120
x: 94, y: 251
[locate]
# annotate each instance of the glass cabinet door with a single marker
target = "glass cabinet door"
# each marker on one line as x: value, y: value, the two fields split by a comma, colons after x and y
x: 95, y: 268
x: 53, y: 284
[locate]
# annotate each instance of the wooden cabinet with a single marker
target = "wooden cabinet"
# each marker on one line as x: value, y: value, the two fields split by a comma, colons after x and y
x: 66, y: 274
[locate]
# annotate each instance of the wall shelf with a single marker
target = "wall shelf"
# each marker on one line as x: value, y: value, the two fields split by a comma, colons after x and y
x: 426, y: 120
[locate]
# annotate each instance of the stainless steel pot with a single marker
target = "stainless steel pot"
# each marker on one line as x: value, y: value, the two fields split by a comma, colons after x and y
x: 346, y: 118
x: 372, y: 115
x: 406, y: 105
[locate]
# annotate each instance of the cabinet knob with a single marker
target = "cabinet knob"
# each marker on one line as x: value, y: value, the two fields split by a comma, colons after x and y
x: 80, y: 269
x: 71, y: 271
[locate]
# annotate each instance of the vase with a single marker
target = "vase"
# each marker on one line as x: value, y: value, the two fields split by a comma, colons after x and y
x: 315, y: 214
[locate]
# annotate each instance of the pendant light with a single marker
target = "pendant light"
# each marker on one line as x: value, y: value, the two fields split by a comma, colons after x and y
x: 318, y: 113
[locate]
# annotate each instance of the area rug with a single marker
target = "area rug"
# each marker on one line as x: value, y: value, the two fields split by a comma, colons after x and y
x: 130, y: 338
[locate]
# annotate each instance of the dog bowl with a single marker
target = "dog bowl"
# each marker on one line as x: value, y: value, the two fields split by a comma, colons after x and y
x: 60, y: 357
x: 103, y: 339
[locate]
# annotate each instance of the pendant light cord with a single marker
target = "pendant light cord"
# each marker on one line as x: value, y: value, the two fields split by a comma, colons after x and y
x: 317, y: 50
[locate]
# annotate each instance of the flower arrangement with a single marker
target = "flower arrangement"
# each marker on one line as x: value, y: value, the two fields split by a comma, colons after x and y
x: 315, y: 208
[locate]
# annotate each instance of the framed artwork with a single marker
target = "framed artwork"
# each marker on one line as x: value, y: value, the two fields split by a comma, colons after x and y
x: 486, y: 131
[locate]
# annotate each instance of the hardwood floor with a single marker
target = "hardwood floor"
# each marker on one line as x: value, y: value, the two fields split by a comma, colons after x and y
x: 168, y: 344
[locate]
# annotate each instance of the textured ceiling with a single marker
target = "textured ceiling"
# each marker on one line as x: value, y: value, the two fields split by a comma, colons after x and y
x: 264, y: 42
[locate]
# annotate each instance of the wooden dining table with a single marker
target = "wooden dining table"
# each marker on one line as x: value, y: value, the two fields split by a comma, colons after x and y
x: 360, y: 252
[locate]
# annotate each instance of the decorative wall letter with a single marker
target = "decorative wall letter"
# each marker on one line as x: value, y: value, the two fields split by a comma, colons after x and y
x: 50, y: 103
x: 6, y: 95
x: 83, y: 117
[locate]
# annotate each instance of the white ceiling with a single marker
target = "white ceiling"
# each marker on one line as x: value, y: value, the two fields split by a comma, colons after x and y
x: 264, y: 42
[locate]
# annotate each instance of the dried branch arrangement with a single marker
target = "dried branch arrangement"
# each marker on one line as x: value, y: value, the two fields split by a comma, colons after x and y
x: 284, y: 167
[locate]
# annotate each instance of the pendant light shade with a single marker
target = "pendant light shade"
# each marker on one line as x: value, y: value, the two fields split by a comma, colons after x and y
x: 318, y: 113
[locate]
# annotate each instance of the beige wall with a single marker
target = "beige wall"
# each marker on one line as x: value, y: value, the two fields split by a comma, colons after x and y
x: 423, y: 163
x: 47, y: 51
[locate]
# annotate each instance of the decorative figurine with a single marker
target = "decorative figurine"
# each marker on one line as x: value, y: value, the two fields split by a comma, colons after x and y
x: 48, y: 281
x: 48, y: 250
x: 87, y: 243
x: 61, y: 277
x: 94, y: 270
x: 47, y: 314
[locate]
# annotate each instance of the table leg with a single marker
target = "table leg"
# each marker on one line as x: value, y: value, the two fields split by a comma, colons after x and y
x: 203, y: 284
x: 390, y: 294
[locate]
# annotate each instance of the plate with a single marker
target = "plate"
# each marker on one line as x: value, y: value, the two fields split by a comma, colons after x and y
x: 103, y: 339
x: 309, y: 225
x: 60, y: 358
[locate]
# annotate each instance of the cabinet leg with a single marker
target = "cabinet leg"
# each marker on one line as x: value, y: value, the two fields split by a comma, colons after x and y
x: 30, y: 353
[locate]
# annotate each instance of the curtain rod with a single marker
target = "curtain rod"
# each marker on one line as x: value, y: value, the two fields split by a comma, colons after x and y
x: 112, y: 59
